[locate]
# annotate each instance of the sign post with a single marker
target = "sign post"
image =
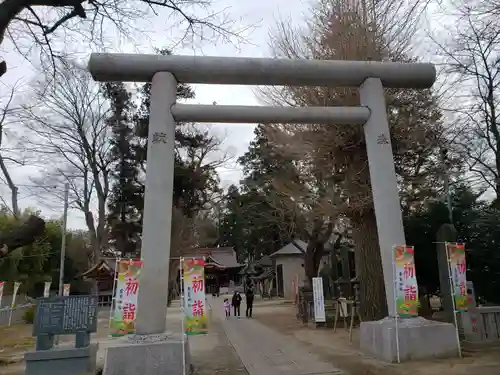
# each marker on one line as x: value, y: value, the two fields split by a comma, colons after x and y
x: 63, y: 315
x: 319, y: 300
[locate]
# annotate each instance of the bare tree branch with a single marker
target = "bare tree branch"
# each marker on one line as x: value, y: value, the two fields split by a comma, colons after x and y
x: 8, y: 112
x: 89, y: 20
x: 332, y: 179
x: 68, y: 134
x: 472, y: 58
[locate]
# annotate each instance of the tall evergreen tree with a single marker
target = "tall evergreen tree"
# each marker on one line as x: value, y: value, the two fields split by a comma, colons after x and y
x: 477, y: 226
x: 124, y: 217
x: 195, y: 178
x: 193, y: 183
x: 263, y: 164
x: 256, y: 221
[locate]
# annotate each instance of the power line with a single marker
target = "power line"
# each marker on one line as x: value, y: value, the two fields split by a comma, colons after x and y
x: 31, y: 185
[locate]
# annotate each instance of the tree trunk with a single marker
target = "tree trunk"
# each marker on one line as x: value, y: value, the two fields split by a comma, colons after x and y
x: 309, y: 262
x: 316, y: 248
x: 23, y: 235
x: 3, y: 68
x: 372, y: 296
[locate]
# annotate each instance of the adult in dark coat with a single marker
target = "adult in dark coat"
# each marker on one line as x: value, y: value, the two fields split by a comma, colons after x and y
x: 249, y: 300
x: 236, y: 302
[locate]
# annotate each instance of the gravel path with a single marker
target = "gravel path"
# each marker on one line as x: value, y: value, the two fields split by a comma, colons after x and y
x: 218, y: 359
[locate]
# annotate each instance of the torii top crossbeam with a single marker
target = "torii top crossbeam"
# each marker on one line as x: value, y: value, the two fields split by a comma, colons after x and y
x: 259, y: 71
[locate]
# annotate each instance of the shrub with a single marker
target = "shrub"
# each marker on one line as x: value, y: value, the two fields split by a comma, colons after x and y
x: 29, y: 315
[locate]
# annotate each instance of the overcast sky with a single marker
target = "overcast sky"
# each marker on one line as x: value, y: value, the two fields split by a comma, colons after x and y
x: 261, y: 14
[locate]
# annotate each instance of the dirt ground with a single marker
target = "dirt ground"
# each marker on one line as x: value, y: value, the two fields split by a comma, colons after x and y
x: 335, y: 347
x: 14, y: 341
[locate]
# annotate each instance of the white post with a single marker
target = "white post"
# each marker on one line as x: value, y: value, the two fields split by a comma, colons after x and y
x: 383, y: 180
x: 157, y: 222
x: 13, y: 303
x: 183, y: 313
x: 112, y: 308
x: 63, y: 239
x: 63, y: 245
x: 394, y: 288
x: 452, y: 292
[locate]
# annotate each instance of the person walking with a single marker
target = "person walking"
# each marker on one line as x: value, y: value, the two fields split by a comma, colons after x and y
x: 236, y: 302
x: 227, y: 308
x: 249, y: 301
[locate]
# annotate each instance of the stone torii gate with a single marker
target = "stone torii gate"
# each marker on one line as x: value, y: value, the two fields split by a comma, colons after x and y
x: 417, y: 337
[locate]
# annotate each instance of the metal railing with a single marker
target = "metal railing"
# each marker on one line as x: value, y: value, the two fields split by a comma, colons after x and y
x: 17, y: 314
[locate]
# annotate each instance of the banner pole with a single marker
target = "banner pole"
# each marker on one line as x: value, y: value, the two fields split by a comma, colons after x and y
x: 113, y: 297
x: 2, y: 283
x: 183, y: 314
x: 13, y: 303
x: 452, y: 293
x: 394, y: 282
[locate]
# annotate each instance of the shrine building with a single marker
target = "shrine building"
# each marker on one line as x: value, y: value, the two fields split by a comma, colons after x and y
x: 221, y: 267
x: 103, y: 273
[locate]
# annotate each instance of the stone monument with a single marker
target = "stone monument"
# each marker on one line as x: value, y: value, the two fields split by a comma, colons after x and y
x: 166, y: 72
x: 63, y: 316
x: 343, y: 283
x: 325, y: 274
x: 446, y: 233
x: 471, y: 321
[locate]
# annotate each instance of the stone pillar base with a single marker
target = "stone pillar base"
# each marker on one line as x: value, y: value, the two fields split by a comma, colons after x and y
x: 62, y: 360
x: 419, y: 338
x: 148, y: 355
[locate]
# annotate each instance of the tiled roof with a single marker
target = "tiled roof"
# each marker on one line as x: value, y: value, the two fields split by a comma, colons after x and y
x: 106, y: 265
x: 225, y: 256
x: 298, y: 247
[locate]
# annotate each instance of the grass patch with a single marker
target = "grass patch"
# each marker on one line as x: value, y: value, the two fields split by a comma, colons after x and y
x: 14, y: 341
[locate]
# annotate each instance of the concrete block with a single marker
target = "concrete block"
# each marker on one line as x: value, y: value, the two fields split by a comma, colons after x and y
x: 148, y: 355
x: 62, y: 360
x: 419, y: 338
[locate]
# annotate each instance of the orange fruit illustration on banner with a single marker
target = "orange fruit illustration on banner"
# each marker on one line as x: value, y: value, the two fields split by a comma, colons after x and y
x: 399, y: 252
